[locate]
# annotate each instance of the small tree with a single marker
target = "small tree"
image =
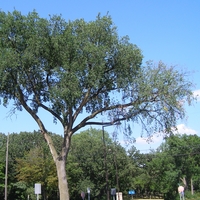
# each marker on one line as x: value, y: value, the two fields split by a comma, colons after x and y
x: 67, y: 68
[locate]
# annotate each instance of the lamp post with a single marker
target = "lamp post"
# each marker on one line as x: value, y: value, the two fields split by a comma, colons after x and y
x: 105, y: 157
x: 116, y: 171
x: 105, y: 161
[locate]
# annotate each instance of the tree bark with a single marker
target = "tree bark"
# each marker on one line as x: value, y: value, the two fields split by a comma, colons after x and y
x: 184, y: 182
x: 62, y: 180
x: 60, y: 161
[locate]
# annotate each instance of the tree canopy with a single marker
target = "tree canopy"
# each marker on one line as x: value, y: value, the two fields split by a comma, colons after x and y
x: 70, y: 67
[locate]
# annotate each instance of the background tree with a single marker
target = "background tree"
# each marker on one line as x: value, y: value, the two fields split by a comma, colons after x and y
x: 163, y: 175
x: 67, y: 68
x: 141, y: 180
x: 21, y: 147
x: 151, y: 174
x: 38, y: 167
x: 86, y: 168
x: 135, y: 170
x: 185, y: 149
x: 175, y: 159
x: 88, y: 154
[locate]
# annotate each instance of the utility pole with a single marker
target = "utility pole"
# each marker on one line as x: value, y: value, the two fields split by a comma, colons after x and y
x: 105, y: 158
x: 6, y: 174
x: 105, y: 162
x: 116, y: 170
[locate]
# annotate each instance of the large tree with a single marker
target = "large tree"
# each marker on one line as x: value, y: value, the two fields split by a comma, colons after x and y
x: 75, y: 67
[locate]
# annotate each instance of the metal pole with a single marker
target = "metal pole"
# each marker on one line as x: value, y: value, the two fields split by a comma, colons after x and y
x: 116, y: 171
x: 105, y: 163
x: 105, y: 157
x: 6, y: 174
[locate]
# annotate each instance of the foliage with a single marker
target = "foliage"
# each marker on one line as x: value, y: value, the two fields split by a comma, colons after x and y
x: 20, y: 147
x: 39, y: 58
x: 86, y: 167
x: 37, y: 167
x: 19, y: 191
x: 178, y: 157
x: 191, y: 197
x: 185, y: 150
x: 87, y: 154
x: 154, y: 173
x: 2, y: 179
x: 159, y: 172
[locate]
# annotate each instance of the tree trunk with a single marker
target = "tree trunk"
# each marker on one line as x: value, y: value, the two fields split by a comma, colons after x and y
x: 62, y: 180
x: 184, y: 182
x: 192, y: 190
x: 60, y: 162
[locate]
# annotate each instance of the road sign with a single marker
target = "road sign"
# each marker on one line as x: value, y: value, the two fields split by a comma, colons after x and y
x: 131, y: 192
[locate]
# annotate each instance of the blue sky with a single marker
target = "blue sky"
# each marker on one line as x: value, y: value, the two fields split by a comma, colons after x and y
x: 163, y: 30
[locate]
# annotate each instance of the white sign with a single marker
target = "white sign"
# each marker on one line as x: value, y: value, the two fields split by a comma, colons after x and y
x: 37, y: 188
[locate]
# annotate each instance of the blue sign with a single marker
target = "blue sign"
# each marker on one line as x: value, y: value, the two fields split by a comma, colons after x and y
x: 131, y: 192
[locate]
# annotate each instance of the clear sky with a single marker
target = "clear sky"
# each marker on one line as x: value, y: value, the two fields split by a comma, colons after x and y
x: 163, y: 30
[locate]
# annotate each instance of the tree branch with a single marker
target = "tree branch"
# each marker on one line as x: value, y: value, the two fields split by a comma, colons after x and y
x: 85, y: 122
x: 30, y: 111
x: 84, y: 101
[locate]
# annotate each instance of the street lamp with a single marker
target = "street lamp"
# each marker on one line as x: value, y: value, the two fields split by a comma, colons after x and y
x: 105, y: 160
x: 116, y: 171
x: 105, y: 157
